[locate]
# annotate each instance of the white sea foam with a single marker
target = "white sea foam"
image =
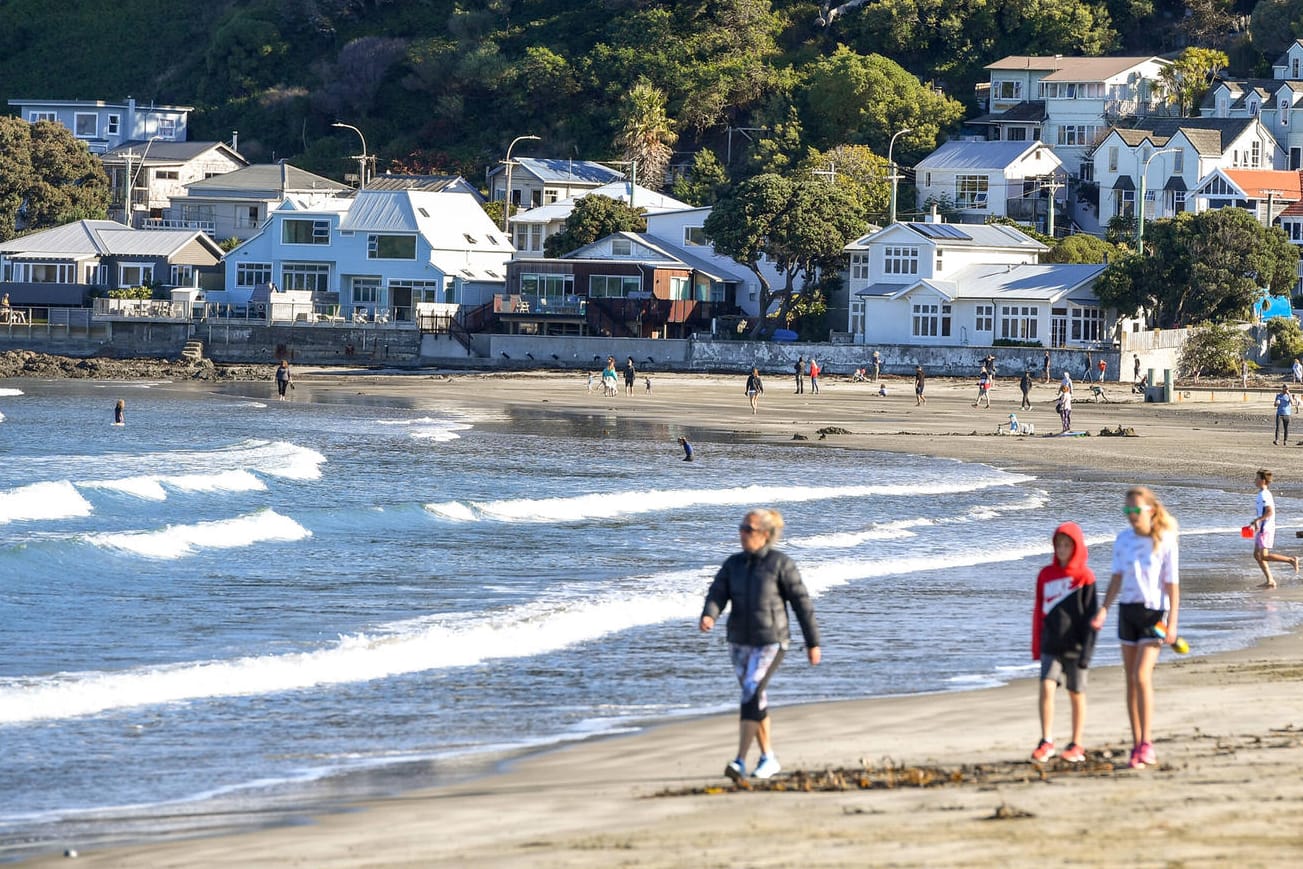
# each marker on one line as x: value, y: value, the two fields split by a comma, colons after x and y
x: 9, y: 392
x: 269, y: 458
x: 599, y: 505
x: 179, y: 541
x: 900, y: 528
x: 428, y: 428
x: 154, y: 488
x: 58, y: 499
x: 454, y: 511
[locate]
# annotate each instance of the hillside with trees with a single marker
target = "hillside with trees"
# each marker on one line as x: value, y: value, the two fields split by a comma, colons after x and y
x: 443, y: 86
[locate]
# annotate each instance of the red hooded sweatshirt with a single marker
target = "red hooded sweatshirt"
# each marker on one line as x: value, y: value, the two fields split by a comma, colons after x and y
x: 1056, y: 589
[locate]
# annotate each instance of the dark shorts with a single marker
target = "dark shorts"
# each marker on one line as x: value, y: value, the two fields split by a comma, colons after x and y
x: 1136, y: 623
x: 1059, y: 670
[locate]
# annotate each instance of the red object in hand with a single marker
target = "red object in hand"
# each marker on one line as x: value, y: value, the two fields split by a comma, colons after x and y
x: 1246, y: 532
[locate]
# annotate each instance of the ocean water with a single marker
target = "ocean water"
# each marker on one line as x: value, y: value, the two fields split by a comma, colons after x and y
x: 234, y: 603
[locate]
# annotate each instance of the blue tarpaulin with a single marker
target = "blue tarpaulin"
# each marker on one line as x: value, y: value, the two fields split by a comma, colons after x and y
x: 1270, y: 307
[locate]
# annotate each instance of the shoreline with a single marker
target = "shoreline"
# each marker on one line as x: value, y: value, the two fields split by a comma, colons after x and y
x: 610, y: 778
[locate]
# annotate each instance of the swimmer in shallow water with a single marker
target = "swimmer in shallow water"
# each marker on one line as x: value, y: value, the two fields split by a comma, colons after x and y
x: 687, y: 449
x: 120, y: 413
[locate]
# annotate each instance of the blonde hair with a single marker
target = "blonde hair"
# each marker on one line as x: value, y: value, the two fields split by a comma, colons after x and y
x: 1264, y: 475
x: 771, y: 521
x: 1163, y: 522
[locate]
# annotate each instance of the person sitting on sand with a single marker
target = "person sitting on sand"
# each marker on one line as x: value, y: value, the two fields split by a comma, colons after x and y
x: 1146, y: 582
x: 761, y: 583
x: 1062, y: 637
x: 882, y: 390
x: 1264, y: 526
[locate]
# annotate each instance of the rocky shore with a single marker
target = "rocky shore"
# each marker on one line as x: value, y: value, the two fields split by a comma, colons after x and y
x: 26, y: 363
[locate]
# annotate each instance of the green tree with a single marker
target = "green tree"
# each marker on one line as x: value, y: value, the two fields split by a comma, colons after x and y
x: 1286, y: 338
x: 857, y: 170
x: 704, y: 180
x: 1216, y: 350
x: 594, y: 216
x: 1275, y: 24
x: 865, y: 99
x: 800, y: 226
x: 646, y: 133
x: 1200, y: 268
x: 1184, y: 82
x: 47, y: 177
x: 1081, y: 248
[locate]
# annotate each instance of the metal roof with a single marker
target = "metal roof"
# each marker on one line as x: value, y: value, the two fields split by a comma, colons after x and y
x: 162, y: 153
x: 88, y: 238
x: 274, y: 179
x: 569, y: 171
x: 980, y: 155
x: 648, y: 200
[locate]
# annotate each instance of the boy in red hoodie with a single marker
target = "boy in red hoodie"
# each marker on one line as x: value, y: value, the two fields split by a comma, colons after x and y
x: 1062, y: 636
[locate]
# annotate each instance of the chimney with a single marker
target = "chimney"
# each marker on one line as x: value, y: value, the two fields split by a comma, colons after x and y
x: 235, y: 141
x: 935, y: 216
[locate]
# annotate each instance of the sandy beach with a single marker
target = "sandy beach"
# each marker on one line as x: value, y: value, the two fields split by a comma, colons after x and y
x: 1229, y: 729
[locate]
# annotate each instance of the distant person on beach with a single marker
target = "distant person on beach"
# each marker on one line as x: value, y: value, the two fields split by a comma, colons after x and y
x: 1297, y: 368
x: 1135, y: 364
x: 920, y: 383
x: 877, y: 365
x: 610, y: 382
x: 687, y: 449
x: 989, y: 364
x: 5, y: 310
x: 120, y: 413
x: 1090, y: 367
x: 283, y: 378
x: 815, y: 370
x: 1284, y: 410
x: 590, y: 381
x: 800, y: 374
x: 983, y: 388
x: 1264, y: 527
x: 630, y: 375
x: 1046, y: 367
x: 1103, y: 369
x: 1244, y: 373
x: 1066, y: 382
x: 882, y: 390
x: 646, y: 382
x: 754, y: 389
x: 1063, y: 639
x: 1026, y: 386
x: 1064, y: 407
x: 761, y: 583
x: 1146, y: 582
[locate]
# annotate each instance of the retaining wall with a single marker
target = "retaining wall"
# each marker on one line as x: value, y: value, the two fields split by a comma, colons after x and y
x: 309, y: 345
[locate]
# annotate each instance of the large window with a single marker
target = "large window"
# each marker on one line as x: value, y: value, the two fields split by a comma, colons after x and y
x: 425, y: 291
x: 45, y: 273
x: 613, y: 286
x: 1018, y: 322
x: 680, y: 288
x: 1008, y: 90
x: 1072, y: 90
x: 305, y: 231
x: 694, y: 236
x: 900, y: 260
x: 1087, y: 324
x: 183, y: 275
x: 527, y: 236
x: 859, y: 267
x: 984, y: 318
x: 552, y: 286
x: 391, y: 247
x: 314, y: 277
x: 971, y: 190
x: 1078, y: 134
x: 85, y: 125
x: 191, y: 211
x: 366, y: 290
x: 931, y: 320
x: 135, y: 274
x: 253, y: 274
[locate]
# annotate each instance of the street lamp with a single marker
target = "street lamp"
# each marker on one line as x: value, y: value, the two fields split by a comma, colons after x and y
x: 361, y: 158
x: 1140, y: 219
x: 506, y: 195
x: 894, y: 175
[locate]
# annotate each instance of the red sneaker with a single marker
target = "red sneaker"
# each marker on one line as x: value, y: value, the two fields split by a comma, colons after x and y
x: 1043, y: 752
x: 1074, y: 753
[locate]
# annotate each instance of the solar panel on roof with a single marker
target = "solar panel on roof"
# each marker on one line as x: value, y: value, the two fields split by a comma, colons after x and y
x: 941, y: 230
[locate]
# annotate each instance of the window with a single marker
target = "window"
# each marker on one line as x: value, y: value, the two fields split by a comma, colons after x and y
x: 1087, y: 324
x: 1086, y: 172
x: 1126, y: 203
x: 621, y: 247
x: 1016, y: 134
x: 366, y: 290
x: 1284, y: 110
x: 191, y: 211
x: 1078, y: 134
x: 680, y: 288
x: 135, y: 274
x: 425, y: 291
x: 1018, y: 322
x: 45, y: 273
x: 547, y: 285
x: 936, y: 266
x: 1255, y: 154
x: 1293, y: 68
x: 167, y: 174
x: 613, y: 286
x: 183, y: 275
x: 1113, y: 158
x: 927, y: 179
x: 1072, y: 90
x: 528, y: 236
x: 1008, y: 90
x: 694, y: 236
x: 931, y: 320
x: 305, y: 231
x: 857, y: 317
x: 253, y: 274
x: 1253, y: 108
x: 391, y: 247
x: 1178, y: 200
x: 314, y: 277
x: 1178, y: 162
x: 246, y: 216
x: 112, y: 124
x: 1293, y: 229
x: 859, y: 267
x: 984, y: 318
x: 971, y: 191
x: 167, y: 128
x: 900, y: 260
x: 85, y: 125
x: 34, y: 117
x: 551, y: 195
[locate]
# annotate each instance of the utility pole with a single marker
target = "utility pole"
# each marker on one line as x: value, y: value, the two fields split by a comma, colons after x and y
x: 895, y: 176
x: 1054, y: 186
x: 745, y: 131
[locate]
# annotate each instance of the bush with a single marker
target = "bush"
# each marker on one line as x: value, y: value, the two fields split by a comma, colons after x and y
x: 1010, y: 342
x: 1215, y: 351
x: 132, y: 293
x: 1286, y: 338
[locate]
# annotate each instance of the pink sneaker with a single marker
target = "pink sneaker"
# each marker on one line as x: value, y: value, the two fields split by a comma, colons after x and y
x: 1074, y: 754
x: 1135, y: 762
x: 1043, y: 752
x: 1147, y: 755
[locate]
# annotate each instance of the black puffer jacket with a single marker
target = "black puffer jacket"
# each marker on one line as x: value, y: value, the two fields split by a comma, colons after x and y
x: 760, y: 585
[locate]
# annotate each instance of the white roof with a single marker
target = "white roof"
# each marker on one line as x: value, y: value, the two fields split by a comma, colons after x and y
x: 951, y: 235
x: 625, y: 191
x: 982, y: 155
x: 1039, y: 283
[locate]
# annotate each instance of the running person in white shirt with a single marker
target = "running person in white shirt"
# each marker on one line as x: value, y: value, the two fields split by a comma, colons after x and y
x: 1146, y: 580
x: 1264, y: 524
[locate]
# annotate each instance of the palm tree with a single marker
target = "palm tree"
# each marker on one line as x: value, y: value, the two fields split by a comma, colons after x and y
x: 645, y: 132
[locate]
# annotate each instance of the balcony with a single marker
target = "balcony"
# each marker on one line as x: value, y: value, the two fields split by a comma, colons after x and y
x: 205, y: 226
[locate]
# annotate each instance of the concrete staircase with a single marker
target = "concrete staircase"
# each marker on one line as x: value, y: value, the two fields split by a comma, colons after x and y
x: 193, y: 351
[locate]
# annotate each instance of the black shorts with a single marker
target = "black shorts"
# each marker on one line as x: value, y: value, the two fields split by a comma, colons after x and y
x: 1136, y: 624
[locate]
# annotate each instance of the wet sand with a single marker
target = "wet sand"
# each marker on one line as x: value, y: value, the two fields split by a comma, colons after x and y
x: 1229, y: 727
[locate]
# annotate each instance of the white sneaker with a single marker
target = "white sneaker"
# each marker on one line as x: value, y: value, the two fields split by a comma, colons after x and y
x: 767, y: 768
x: 736, y: 770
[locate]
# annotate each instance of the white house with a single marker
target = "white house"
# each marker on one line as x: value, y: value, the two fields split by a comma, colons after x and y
x: 945, y: 284
x: 1179, y: 152
x: 155, y: 171
x: 530, y: 229
x: 103, y: 125
x: 1277, y: 101
x: 991, y: 179
x: 379, y: 254
x: 541, y: 181
x: 234, y: 204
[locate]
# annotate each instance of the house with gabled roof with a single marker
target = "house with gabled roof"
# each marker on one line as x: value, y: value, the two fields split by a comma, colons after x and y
x: 234, y: 204
x: 1275, y: 197
x: 530, y: 229
x: 934, y: 283
x: 104, y: 125
x: 1178, y: 152
x: 431, y: 183
x: 391, y: 254
x: 1277, y: 101
x: 64, y: 265
x: 539, y: 181
x: 152, y: 172
x: 991, y: 179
